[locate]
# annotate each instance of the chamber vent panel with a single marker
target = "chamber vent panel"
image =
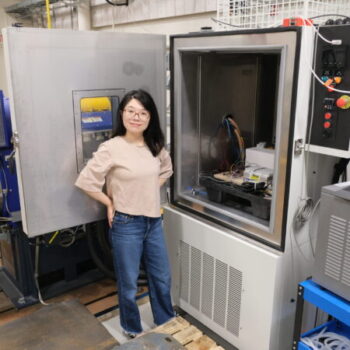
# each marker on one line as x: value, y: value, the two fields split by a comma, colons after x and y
x: 212, y: 287
x: 196, y: 267
x: 184, y: 270
x: 234, y: 300
x: 220, y: 299
x: 345, y: 278
x: 208, y: 283
x: 335, y: 247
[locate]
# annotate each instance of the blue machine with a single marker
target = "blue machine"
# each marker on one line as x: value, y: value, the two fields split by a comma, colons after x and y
x: 20, y: 254
x: 16, y: 274
x: 10, y: 198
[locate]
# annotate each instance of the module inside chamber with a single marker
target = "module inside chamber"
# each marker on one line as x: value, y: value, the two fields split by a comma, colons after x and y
x: 227, y: 129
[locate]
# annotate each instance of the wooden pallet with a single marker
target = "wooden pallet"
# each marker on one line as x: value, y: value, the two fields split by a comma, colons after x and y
x: 90, y: 295
x: 188, y: 335
x: 5, y: 302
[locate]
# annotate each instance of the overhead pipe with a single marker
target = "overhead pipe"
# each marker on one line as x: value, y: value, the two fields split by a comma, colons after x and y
x: 48, y: 15
x: 84, y: 15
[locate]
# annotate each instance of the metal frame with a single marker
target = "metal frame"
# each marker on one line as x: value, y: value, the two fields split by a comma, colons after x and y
x: 281, y: 41
x: 327, y: 301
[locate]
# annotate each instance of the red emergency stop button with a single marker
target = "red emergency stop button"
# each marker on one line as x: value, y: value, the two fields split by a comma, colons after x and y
x: 328, y: 115
x: 327, y: 125
x: 343, y: 102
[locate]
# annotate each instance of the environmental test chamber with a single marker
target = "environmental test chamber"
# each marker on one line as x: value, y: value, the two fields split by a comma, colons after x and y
x: 238, y: 249
x: 239, y: 114
x: 65, y: 88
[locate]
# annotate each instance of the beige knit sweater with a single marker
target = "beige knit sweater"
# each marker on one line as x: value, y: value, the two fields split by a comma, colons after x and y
x: 131, y: 174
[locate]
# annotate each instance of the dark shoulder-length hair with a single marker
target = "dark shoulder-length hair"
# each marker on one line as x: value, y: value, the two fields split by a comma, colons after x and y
x: 153, y: 135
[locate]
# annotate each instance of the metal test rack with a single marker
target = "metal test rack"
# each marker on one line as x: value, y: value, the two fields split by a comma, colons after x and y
x: 329, y: 302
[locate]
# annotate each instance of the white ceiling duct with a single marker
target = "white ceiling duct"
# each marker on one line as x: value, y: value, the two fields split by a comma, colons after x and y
x: 6, y: 3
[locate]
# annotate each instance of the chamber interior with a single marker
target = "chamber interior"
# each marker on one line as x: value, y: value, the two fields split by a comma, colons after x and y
x: 228, y: 108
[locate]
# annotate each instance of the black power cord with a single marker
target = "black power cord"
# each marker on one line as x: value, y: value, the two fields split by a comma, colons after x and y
x: 339, y: 169
x: 118, y: 3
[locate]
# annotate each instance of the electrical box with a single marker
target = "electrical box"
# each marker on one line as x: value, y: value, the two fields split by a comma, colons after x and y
x: 330, y: 112
x: 332, y: 257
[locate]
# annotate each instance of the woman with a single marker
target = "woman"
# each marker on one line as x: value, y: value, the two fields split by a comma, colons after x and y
x: 134, y: 164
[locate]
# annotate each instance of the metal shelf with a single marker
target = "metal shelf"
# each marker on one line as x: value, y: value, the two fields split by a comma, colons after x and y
x: 329, y: 302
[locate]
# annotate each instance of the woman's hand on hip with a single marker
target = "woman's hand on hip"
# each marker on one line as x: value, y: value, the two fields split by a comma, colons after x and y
x: 110, y: 214
x: 104, y: 199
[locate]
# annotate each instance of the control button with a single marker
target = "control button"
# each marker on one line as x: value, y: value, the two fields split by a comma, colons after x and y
x: 338, y: 80
x: 331, y: 87
x: 328, y: 115
x: 328, y: 82
x: 343, y: 102
x: 327, y: 133
x: 327, y: 125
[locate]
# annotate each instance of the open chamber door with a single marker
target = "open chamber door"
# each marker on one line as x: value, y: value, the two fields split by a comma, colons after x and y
x: 232, y: 122
x: 65, y: 89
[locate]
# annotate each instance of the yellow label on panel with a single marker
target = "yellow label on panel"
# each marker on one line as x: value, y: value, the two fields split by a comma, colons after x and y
x: 95, y: 104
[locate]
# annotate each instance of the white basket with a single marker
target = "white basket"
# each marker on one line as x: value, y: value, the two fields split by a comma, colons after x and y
x: 238, y: 14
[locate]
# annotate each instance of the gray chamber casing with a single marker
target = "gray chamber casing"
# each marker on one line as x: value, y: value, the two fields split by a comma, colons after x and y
x: 332, y: 260
x: 45, y: 68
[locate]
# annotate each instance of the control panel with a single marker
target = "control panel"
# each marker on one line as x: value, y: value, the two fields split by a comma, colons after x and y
x: 331, y: 120
x: 95, y: 120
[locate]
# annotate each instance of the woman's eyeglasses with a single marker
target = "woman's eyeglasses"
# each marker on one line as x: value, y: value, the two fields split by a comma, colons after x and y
x: 131, y: 113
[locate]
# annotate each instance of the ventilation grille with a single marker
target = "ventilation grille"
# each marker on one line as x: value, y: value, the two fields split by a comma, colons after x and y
x: 337, y: 263
x: 185, y: 268
x: 208, y: 282
x: 346, y: 264
x: 213, y: 287
x: 196, y: 277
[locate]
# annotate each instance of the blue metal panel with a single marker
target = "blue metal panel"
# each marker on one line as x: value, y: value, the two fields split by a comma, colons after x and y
x: 94, y: 121
x: 327, y: 301
x: 302, y: 346
x: 9, y: 183
x: 8, y: 176
x: 5, y: 123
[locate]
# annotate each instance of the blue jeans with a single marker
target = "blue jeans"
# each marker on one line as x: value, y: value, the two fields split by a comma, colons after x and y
x: 135, y: 238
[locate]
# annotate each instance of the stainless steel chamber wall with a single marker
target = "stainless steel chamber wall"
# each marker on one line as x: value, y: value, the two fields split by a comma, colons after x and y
x: 250, y: 79
x: 49, y: 73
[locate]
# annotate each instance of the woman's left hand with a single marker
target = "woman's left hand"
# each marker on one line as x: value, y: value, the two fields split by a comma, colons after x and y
x: 110, y: 214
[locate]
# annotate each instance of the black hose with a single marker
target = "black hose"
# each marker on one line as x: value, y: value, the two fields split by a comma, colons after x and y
x: 339, y: 169
x: 95, y: 257
x: 102, y: 234
x: 106, y: 250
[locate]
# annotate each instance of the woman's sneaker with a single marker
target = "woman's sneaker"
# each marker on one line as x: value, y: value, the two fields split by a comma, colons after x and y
x: 129, y: 334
